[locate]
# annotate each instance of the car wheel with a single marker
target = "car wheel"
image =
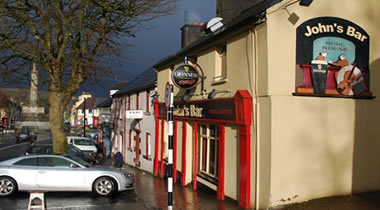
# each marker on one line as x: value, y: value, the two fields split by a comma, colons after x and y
x: 104, y: 186
x: 8, y: 186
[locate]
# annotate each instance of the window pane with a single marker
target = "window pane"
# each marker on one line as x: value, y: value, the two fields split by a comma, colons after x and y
x: 212, y: 130
x: 204, y: 154
x: 61, y: 163
x: 26, y: 162
x: 212, y: 164
x: 204, y: 129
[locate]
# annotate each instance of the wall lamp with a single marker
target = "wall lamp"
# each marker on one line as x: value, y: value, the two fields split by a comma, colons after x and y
x: 187, y: 95
x: 213, y: 93
x: 154, y: 94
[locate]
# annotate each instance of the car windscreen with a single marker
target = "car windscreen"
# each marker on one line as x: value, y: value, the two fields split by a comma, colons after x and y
x: 84, y: 142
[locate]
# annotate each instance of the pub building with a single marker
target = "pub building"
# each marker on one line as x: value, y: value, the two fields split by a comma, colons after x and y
x: 274, y: 102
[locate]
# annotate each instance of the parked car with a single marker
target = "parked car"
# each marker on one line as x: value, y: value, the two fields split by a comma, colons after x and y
x: 85, y: 144
x: 92, y: 134
x: 71, y: 150
x: 60, y: 173
x: 25, y: 134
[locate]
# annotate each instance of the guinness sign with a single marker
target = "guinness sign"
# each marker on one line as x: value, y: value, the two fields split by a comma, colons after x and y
x: 185, y: 76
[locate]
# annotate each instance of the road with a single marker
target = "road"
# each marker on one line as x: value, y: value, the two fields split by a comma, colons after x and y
x: 150, y: 192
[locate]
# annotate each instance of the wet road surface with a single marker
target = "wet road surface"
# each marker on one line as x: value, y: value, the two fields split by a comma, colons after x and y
x: 150, y: 192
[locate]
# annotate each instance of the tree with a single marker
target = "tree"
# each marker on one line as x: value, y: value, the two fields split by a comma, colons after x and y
x: 69, y: 40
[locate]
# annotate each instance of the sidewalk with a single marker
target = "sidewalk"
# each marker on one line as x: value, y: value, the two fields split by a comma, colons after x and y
x: 361, y: 201
x: 151, y: 193
x: 206, y: 200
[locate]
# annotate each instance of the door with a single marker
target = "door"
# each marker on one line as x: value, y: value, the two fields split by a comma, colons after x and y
x: 55, y: 174
x: 137, y: 148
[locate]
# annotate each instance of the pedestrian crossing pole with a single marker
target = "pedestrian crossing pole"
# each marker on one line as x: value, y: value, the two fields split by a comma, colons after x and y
x: 169, y: 105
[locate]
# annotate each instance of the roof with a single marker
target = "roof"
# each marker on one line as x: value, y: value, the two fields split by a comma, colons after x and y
x: 106, y: 103
x: 247, y: 17
x: 91, y: 103
x: 145, y: 80
x: 119, y: 85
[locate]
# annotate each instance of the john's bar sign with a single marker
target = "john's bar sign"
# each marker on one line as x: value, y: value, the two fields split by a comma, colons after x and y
x: 215, y: 110
x: 185, y: 76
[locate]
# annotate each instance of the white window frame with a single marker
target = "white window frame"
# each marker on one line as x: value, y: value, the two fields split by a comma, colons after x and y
x: 209, y: 139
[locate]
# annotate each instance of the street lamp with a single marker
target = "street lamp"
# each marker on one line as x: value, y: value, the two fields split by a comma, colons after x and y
x: 84, y: 117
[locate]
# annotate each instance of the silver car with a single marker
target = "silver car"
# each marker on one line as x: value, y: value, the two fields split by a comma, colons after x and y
x: 60, y: 173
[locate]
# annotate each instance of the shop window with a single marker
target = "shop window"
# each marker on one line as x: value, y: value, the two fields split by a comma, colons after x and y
x: 209, y: 150
x: 147, y: 147
x: 332, y: 59
x: 221, y: 65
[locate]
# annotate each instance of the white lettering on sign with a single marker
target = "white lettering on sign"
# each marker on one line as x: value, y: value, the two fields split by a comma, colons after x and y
x: 186, y: 111
x: 351, y: 31
x: 334, y: 28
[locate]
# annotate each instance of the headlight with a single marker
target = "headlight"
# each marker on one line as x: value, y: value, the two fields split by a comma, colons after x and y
x: 128, y: 176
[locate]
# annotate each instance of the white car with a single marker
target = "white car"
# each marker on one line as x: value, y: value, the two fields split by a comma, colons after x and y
x: 87, y: 145
x: 60, y: 173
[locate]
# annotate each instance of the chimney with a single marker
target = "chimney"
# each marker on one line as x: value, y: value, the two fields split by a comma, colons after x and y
x: 227, y: 9
x: 191, y: 33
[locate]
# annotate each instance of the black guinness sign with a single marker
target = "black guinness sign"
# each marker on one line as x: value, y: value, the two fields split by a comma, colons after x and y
x: 185, y: 76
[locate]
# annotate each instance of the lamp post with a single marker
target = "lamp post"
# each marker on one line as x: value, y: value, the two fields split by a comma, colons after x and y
x: 84, y: 117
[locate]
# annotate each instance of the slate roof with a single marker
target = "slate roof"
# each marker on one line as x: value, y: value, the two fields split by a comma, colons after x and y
x: 91, y: 103
x: 147, y: 79
x: 105, y: 104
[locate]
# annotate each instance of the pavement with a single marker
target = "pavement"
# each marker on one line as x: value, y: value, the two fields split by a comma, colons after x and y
x: 359, y: 201
x: 207, y: 200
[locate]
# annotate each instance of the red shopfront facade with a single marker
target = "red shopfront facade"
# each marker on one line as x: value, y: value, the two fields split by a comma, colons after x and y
x: 221, y: 112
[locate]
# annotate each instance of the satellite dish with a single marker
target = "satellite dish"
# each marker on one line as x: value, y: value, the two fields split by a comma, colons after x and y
x: 214, y: 24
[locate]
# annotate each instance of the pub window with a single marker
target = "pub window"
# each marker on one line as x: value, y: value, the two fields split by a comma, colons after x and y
x: 209, y: 150
x: 221, y: 65
x: 332, y: 59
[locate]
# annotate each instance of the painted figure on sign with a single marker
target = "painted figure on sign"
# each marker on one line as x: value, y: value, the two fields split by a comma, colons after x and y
x: 322, y: 56
x: 347, y: 76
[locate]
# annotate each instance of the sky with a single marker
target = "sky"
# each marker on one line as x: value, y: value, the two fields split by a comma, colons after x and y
x: 162, y: 39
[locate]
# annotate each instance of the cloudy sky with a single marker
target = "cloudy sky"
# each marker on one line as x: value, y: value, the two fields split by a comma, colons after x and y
x: 161, y: 40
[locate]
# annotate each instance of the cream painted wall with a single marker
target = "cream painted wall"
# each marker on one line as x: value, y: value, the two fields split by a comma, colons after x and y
x: 231, y: 161
x: 318, y: 146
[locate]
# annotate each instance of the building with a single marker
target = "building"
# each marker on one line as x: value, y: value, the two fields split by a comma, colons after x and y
x: 88, y: 110
x: 74, y: 109
x: 278, y: 103
x: 134, y: 126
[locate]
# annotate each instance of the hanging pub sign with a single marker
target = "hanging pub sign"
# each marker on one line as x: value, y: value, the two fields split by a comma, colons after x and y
x: 332, y: 58
x: 185, y: 76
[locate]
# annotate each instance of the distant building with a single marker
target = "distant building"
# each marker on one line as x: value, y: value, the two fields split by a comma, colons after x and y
x: 86, y: 109
x: 133, y: 120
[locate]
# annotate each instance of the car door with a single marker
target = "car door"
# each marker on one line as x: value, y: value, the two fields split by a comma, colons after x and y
x: 57, y: 174
x: 24, y: 172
